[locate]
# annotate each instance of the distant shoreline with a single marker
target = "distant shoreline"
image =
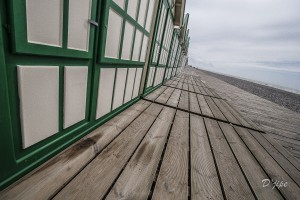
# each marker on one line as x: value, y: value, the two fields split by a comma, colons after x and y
x: 276, y: 94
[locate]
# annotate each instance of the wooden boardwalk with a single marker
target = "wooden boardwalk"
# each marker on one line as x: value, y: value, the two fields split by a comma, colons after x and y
x: 183, y: 141
x: 280, y: 123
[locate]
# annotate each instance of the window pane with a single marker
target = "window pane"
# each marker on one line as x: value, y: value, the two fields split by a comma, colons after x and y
x: 137, y: 45
x: 142, y: 12
x: 127, y: 41
x: 132, y: 8
x: 120, y: 3
x: 113, y: 35
x: 79, y: 27
x: 44, y: 22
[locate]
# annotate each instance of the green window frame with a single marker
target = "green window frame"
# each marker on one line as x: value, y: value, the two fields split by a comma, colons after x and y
x: 123, y: 13
x: 20, y: 39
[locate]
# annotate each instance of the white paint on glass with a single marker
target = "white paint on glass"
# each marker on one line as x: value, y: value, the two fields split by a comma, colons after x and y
x: 113, y: 35
x: 129, y: 84
x: 137, y: 45
x: 132, y: 8
x: 105, y: 91
x: 39, y: 102
x: 120, y: 3
x: 127, y: 41
x: 75, y: 87
x: 144, y: 49
x: 79, y: 27
x: 44, y: 22
x: 119, y: 87
x: 142, y: 12
x: 150, y: 15
x: 137, y: 82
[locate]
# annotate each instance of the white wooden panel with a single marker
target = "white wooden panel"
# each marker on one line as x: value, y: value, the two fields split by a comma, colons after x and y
x: 105, y: 91
x: 44, y: 22
x: 39, y: 102
x: 79, y: 27
x: 137, y: 82
x: 127, y: 41
x: 132, y: 8
x: 113, y: 35
x: 137, y: 45
x: 150, y: 15
x: 144, y: 49
x: 75, y: 94
x: 142, y: 12
x: 119, y: 87
x: 120, y: 3
x: 129, y: 84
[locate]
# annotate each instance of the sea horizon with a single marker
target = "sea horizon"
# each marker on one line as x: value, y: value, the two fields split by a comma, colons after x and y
x: 287, y: 80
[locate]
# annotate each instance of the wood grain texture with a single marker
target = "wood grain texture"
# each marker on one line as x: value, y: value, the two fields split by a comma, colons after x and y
x: 51, y: 176
x: 172, y: 181
x: 136, y: 179
x: 229, y: 116
x: 214, y: 109
x: 204, y: 178
x: 184, y: 101
x: 194, y: 106
x: 253, y: 171
x: 293, y: 172
x: 233, y: 181
x: 271, y: 167
x: 152, y: 96
x: 94, y: 180
x: 204, y: 106
x: 174, y: 98
x: 164, y: 97
x: 191, y: 88
x: 283, y: 151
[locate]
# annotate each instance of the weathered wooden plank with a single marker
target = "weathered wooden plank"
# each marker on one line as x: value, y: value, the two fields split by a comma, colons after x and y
x: 202, y: 90
x: 50, y: 177
x: 208, y: 92
x: 242, y: 119
x: 280, y: 159
x: 204, y: 178
x: 234, y: 183
x: 226, y: 112
x: 136, y: 179
x: 236, y: 114
x: 196, y: 89
x: 214, y: 108
x: 163, y: 98
x: 184, y: 101
x: 271, y: 167
x: 174, y: 98
x: 174, y: 83
x: 215, y: 93
x: 191, y: 88
x: 172, y: 181
x: 185, y: 87
x: 94, y: 180
x: 204, y: 106
x: 194, y: 106
x: 179, y: 85
x: 251, y: 168
x: 283, y: 151
x: 152, y: 96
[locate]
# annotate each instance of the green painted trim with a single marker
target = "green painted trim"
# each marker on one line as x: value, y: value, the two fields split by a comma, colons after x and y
x: 19, y: 34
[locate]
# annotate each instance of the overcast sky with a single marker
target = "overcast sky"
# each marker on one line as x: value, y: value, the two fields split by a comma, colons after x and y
x: 245, y: 33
